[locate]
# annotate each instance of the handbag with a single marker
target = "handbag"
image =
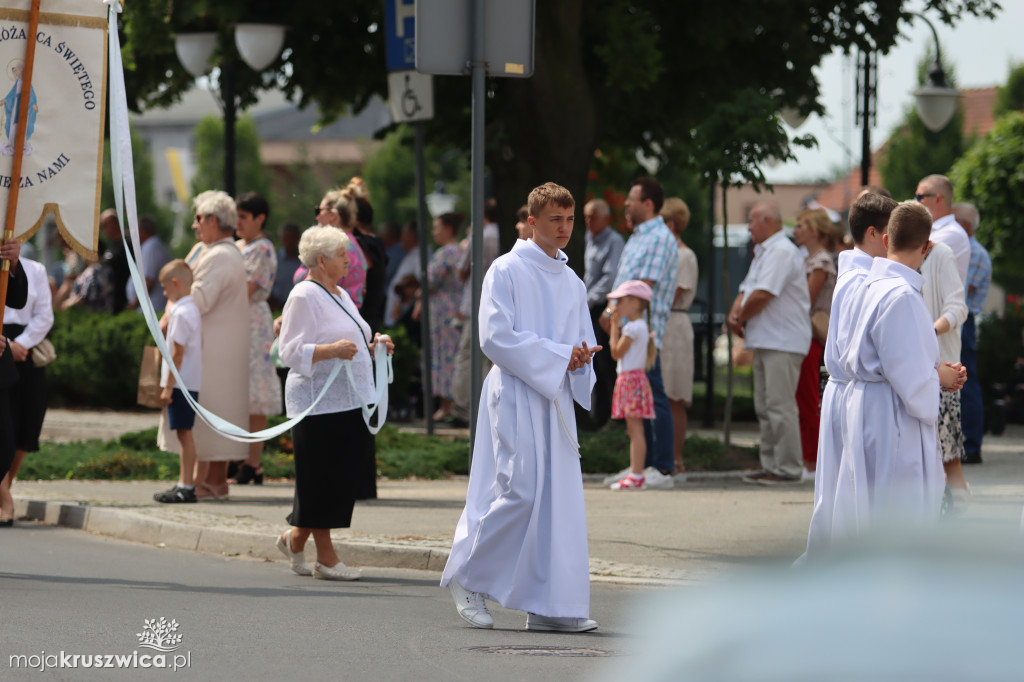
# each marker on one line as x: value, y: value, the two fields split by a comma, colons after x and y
x: 819, y: 326
x: 43, y: 353
x: 149, y: 378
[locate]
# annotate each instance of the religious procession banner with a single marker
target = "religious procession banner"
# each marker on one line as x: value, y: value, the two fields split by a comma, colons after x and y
x: 62, y: 163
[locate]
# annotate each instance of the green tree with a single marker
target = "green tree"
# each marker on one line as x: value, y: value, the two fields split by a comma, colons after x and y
x: 391, y: 175
x: 615, y: 74
x: 252, y: 176
x: 145, y: 190
x: 991, y: 176
x: 914, y: 151
x: 1011, y: 95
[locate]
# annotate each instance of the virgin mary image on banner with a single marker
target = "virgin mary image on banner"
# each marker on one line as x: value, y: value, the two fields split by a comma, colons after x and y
x: 12, y: 104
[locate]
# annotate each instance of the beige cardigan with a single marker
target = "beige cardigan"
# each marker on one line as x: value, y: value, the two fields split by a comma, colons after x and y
x: 944, y: 295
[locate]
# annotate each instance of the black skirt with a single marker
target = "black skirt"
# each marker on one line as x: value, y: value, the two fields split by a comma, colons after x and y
x: 333, y: 453
x: 27, y: 399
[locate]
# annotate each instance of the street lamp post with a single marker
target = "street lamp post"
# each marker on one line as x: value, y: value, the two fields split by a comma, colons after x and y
x: 935, y: 100
x: 258, y: 45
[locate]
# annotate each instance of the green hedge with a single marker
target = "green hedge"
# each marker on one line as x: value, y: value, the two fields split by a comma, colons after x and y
x: 999, y: 346
x: 98, y: 358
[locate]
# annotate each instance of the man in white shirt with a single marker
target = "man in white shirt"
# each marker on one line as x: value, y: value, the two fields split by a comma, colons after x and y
x: 935, y: 192
x: 773, y: 315
x: 464, y: 357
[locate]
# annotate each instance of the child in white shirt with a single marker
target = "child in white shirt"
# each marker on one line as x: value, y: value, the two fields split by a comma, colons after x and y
x: 185, y: 341
x: 634, y: 349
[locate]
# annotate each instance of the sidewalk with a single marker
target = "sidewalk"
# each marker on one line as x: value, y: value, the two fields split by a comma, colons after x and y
x: 700, y: 528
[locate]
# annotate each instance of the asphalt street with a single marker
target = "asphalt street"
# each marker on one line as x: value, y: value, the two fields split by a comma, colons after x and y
x: 64, y: 591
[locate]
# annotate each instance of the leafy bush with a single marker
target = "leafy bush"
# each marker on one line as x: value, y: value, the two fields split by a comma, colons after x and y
x: 999, y: 346
x: 98, y: 358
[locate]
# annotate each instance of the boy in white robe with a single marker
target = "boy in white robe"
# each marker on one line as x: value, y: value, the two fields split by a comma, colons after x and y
x: 522, y: 538
x: 869, y: 218
x: 891, y: 469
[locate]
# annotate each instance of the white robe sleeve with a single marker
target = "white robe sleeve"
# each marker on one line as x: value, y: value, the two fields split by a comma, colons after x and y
x: 540, y: 363
x: 582, y: 380
x: 41, y: 314
x: 908, y: 352
x: 298, y: 322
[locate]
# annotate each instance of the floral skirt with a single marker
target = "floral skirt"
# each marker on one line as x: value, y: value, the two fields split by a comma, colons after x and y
x: 951, y: 434
x: 632, y: 397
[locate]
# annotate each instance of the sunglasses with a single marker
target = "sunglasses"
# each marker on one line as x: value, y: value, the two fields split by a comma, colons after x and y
x: 918, y: 197
x: 318, y: 210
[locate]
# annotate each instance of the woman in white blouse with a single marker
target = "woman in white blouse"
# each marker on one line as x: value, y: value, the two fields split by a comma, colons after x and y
x: 943, y: 293
x: 320, y: 322
x: 25, y: 328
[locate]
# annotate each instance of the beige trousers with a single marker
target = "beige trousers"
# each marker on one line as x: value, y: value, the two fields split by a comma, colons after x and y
x: 775, y: 378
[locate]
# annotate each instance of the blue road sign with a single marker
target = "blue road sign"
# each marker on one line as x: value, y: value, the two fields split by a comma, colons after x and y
x: 400, y: 25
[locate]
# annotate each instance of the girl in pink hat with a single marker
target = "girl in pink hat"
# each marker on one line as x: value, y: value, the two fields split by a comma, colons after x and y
x: 632, y: 346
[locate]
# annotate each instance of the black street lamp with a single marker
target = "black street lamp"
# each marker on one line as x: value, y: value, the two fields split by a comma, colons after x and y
x: 258, y: 45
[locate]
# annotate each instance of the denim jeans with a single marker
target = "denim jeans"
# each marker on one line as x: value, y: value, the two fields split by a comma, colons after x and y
x: 658, y: 431
x: 972, y: 410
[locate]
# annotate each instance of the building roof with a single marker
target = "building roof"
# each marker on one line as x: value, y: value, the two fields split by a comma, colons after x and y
x: 977, y: 104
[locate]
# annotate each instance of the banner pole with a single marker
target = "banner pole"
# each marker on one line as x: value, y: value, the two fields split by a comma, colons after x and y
x: 19, y: 147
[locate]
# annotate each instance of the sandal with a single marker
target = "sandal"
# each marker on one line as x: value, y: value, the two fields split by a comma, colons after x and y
x: 248, y: 474
x: 206, y: 492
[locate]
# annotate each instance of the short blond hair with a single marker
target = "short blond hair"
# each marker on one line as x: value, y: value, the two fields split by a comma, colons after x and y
x: 320, y: 240
x: 910, y: 226
x: 819, y: 221
x: 220, y: 205
x: 546, y: 194
x: 176, y: 269
x: 676, y: 210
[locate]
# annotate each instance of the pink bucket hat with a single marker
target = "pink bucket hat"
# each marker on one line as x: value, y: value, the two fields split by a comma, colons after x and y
x: 633, y: 287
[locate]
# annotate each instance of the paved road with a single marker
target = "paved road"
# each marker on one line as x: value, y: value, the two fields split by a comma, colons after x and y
x: 242, y: 619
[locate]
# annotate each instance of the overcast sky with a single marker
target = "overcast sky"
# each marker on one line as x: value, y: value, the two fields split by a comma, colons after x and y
x: 981, y: 52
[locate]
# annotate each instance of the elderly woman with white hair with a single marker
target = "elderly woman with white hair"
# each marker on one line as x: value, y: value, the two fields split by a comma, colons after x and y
x: 220, y: 291
x: 321, y: 323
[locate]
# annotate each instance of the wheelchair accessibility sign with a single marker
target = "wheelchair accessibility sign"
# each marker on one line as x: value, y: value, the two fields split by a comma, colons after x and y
x: 411, y: 96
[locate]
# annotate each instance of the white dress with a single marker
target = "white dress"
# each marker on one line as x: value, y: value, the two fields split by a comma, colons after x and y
x: 853, y: 270
x: 522, y: 538
x: 890, y: 466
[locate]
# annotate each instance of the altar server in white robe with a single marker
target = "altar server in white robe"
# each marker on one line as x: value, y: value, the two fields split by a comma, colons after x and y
x: 522, y: 538
x: 869, y: 218
x: 891, y: 469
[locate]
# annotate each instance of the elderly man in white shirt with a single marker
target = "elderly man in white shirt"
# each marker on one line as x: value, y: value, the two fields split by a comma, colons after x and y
x: 772, y: 315
x: 935, y: 193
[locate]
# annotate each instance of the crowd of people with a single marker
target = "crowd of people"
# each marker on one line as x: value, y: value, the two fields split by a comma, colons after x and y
x: 889, y: 323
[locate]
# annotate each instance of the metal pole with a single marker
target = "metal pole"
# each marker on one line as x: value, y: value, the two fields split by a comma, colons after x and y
x: 421, y: 230
x: 227, y: 92
x: 865, y: 148
x: 709, y: 396
x: 477, y: 213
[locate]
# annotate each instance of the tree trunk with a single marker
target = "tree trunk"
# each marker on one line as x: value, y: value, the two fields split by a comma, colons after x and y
x: 548, y: 127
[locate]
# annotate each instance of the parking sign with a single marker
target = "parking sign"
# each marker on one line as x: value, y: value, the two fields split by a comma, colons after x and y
x: 400, y: 26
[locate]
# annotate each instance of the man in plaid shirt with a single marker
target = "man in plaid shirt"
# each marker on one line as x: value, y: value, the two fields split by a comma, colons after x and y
x: 651, y: 255
x: 979, y: 276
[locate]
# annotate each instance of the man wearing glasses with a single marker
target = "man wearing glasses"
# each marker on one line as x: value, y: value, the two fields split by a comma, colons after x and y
x: 935, y: 192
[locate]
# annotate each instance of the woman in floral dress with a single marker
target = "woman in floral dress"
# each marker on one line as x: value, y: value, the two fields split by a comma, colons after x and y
x: 445, y: 296
x: 260, y: 266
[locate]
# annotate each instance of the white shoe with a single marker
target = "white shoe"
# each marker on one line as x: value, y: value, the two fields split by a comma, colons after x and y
x: 550, y: 624
x: 655, y: 480
x: 471, y: 606
x: 615, y: 478
x: 807, y: 475
x: 297, y: 559
x: 338, y: 571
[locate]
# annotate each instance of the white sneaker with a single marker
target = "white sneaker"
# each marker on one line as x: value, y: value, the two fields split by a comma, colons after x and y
x: 550, y: 624
x: 807, y: 475
x: 655, y: 480
x: 338, y: 571
x: 471, y: 606
x: 615, y: 478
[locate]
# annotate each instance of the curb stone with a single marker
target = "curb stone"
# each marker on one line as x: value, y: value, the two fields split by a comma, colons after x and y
x: 135, y: 527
